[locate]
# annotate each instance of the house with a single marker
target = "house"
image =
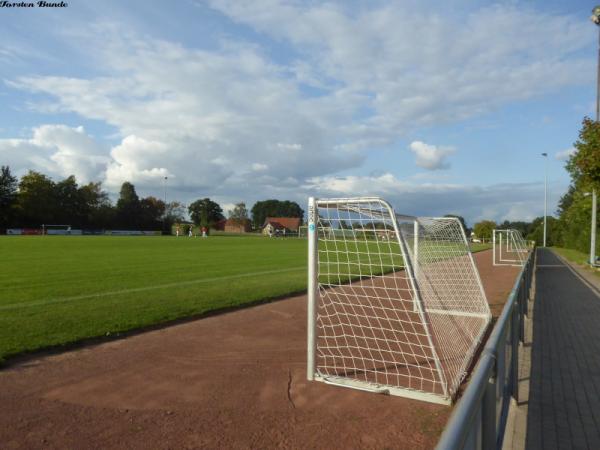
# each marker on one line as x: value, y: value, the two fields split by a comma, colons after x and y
x: 220, y: 225
x: 237, y: 226
x: 283, y: 225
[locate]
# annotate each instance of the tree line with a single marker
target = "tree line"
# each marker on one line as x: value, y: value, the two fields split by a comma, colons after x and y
x: 572, y: 226
x: 36, y: 199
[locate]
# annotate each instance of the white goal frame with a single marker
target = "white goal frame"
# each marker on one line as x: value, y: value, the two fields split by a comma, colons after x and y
x: 49, y: 227
x: 509, y: 248
x: 395, y: 302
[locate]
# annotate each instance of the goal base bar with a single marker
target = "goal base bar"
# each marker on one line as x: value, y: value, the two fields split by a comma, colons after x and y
x: 457, y: 313
x: 384, y: 389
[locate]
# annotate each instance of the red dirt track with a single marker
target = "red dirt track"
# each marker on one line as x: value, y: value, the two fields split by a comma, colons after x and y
x: 236, y: 380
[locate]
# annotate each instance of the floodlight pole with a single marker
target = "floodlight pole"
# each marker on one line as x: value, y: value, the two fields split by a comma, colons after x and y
x: 165, y: 189
x: 593, y: 238
x: 596, y: 19
x: 545, y: 155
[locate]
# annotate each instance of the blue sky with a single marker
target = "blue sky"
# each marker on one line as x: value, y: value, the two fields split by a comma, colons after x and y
x: 440, y: 109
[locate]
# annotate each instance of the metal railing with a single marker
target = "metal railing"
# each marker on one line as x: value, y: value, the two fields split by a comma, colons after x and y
x: 479, y: 418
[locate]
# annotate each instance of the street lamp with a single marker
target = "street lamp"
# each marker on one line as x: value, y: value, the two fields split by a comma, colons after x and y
x: 165, y: 197
x: 165, y: 189
x: 596, y: 19
x: 545, y: 155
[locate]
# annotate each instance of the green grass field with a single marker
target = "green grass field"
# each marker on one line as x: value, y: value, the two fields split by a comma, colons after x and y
x: 60, y: 289
x: 57, y: 290
x: 577, y: 257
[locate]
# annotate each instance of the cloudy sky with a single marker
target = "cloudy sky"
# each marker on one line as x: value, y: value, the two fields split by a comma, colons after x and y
x: 440, y: 109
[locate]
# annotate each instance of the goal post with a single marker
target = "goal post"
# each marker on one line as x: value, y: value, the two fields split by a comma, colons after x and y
x: 509, y: 248
x: 395, y: 303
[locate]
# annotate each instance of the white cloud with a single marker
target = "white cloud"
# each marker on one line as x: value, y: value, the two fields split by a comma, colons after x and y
x: 258, y: 167
x: 431, y: 157
x: 563, y: 155
x: 240, y: 121
x: 205, y: 119
x: 57, y: 150
x: 515, y: 201
x: 412, y: 66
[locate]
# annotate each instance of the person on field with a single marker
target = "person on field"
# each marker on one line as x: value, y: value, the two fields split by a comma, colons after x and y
x: 177, y: 231
x: 191, y: 231
x: 203, y: 232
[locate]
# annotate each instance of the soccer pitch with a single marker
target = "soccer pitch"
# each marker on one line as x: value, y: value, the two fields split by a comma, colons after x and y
x: 60, y: 289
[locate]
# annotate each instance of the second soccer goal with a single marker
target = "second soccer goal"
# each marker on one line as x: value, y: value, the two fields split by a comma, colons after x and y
x: 396, y: 304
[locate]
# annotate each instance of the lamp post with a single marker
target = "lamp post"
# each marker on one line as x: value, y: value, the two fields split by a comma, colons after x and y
x: 545, y: 155
x: 164, y: 218
x: 593, y: 237
x: 165, y: 189
x: 596, y: 19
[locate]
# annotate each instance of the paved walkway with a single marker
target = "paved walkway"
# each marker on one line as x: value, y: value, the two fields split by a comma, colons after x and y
x: 564, y: 391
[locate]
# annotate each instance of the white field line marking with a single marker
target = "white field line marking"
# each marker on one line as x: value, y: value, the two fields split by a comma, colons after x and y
x: 144, y: 289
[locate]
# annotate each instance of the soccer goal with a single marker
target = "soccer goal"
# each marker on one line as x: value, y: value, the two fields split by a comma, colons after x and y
x: 49, y: 229
x: 395, y: 302
x: 509, y: 248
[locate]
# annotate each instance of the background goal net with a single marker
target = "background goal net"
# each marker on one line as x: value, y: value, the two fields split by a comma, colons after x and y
x: 395, y: 302
x: 56, y: 229
x: 510, y: 248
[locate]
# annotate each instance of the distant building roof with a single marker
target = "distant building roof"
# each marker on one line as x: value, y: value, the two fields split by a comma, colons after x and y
x: 237, y: 222
x: 220, y: 225
x: 291, y: 223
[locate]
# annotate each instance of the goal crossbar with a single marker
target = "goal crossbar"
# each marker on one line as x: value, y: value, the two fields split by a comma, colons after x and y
x: 396, y: 304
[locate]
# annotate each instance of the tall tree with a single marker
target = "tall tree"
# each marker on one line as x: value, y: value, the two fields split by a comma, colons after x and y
x: 484, y: 229
x: 101, y: 212
x: 174, y: 213
x: 524, y: 227
x: 72, y: 209
x: 8, y: 197
x: 239, y: 214
x: 274, y: 208
x: 37, y: 200
x: 205, y: 212
x: 573, y: 227
x: 128, y: 207
x: 152, y: 211
x: 584, y: 164
x: 552, y: 232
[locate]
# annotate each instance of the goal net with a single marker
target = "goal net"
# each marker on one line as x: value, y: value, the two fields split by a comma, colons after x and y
x: 323, y: 231
x: 510, y: 248
x: 49, y: 229
x: 395, y: 302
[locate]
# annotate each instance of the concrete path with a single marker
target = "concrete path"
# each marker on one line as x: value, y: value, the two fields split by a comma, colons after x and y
x: 563, y: 410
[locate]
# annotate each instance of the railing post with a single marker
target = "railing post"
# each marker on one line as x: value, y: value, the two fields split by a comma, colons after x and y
x: 522, y: 309
x: 488, y: 413
x: 514, y: 354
